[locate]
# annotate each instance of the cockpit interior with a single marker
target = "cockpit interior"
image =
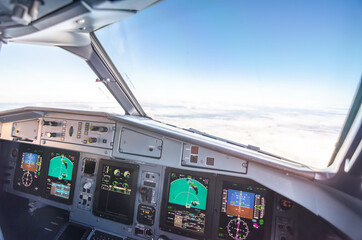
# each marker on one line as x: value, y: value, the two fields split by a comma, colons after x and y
x: 77, y: 174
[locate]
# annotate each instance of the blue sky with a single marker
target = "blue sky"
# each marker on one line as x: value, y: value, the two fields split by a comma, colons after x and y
x: 267, y: 45
x: 277, y: 74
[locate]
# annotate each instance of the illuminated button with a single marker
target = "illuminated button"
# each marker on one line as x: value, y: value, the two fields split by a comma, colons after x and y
x: 85, y: 141
x: 104, y: 140
x: 78, y: 136
x: 194, y: 150
x: 85, y: 133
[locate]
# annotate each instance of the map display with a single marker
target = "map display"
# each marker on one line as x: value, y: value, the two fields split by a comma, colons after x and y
x: 187, y: 201
x: 60, y: 180
x: 188, y: 192
x: 61, y: 167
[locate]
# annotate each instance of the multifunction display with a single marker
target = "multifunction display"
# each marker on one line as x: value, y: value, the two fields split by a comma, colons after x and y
x: 61, y: 174
x: 242, y: 212
x: 29, y: 169
x: 187, y: 200
x: 116, y: 186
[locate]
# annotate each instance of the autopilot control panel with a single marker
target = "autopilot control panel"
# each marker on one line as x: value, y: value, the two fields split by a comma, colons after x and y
x: 80, y: 132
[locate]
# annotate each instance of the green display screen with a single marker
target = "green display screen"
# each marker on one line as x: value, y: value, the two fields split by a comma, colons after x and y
x: 61, y: 168
x: 188, y: 192
x: 187, y: 201
x: 61, y: 175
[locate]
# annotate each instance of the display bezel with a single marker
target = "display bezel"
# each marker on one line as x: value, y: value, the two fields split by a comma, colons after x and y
x: 209, y: 204
x: 47, y: 195
x: 29, y: 148
x: 245, y: 182
x: 98, y: 213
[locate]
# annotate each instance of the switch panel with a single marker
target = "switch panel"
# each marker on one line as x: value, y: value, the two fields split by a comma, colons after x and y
x: 148, y: 188
x: 95, y: 134
x: 85, y: 198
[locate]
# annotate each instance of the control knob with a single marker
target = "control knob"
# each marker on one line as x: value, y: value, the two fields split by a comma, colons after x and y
x: 50, y: 134
x: 87, y: 185
x: 148, y: 232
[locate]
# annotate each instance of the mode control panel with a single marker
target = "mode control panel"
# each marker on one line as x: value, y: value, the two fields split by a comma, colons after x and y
x: 96, y: 134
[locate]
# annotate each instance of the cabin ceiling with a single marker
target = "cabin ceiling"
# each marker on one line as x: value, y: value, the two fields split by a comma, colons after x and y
x: 61, y: 22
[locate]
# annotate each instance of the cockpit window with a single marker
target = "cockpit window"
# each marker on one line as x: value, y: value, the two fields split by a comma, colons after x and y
x: 280, y: 75
x: 44, y: 76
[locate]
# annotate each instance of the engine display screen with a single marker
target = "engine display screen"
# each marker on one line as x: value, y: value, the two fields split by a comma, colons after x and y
x: 60, y: 180
x: 242, y: 214
x: 29, y: 169
x: 116, y: 190
x: 185, y: 205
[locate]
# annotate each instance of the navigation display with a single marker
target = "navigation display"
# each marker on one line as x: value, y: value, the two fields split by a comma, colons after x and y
x: 186, y: 202
x: 29, y: 169
x: 61, y: 173
x: 188, y: 191
x: 242, y: 214
x: 116, y: 190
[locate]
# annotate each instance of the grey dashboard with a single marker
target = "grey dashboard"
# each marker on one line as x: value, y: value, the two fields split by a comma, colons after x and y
x: 124, y: 177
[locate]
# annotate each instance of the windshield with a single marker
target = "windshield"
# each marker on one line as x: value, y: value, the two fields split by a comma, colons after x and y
x: 280, y: 75
x: 44, y: 76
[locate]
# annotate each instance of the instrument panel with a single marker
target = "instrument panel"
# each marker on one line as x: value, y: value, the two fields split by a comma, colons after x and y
x: 124, y: 194
x: 46, y: 172
x: 189, y: 198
